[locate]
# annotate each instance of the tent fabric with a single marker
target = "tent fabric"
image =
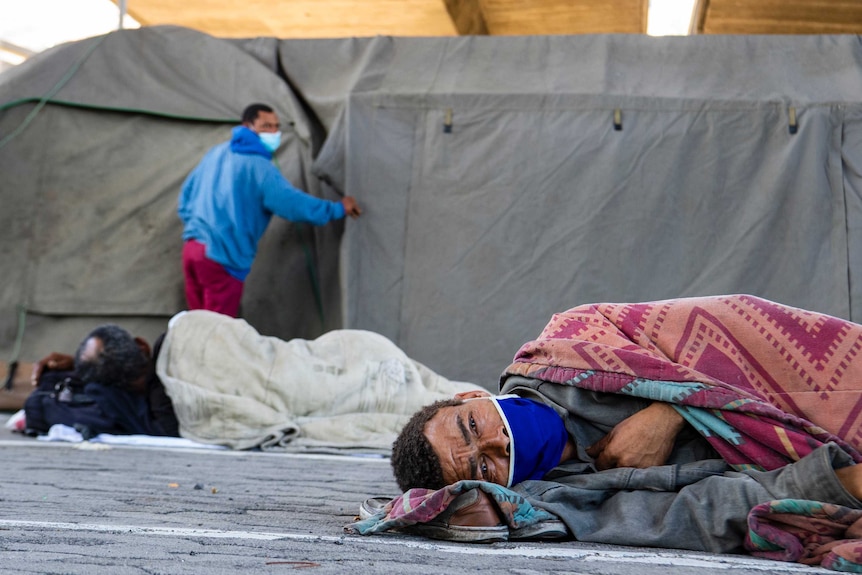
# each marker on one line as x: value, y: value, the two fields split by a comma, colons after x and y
x: 497, y: 186
x: 167, y: 71
x: 532, y: 198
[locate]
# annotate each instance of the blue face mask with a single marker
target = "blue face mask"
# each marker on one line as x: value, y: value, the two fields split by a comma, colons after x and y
x: 537, y: 434
x: 271, y: 140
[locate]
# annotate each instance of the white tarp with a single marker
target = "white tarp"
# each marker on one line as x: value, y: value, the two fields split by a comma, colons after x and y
x: 350, y: 389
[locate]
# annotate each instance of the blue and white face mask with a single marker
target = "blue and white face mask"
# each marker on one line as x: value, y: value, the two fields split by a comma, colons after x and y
x: 537, y: 434
x: 271, y: 140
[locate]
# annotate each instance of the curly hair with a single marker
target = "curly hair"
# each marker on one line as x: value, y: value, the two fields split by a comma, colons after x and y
x: 414, y: 462
x: 119, y: 362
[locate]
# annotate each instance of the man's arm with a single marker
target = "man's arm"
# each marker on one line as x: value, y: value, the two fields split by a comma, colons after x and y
x: 284, y: 200
x: 642, y: 440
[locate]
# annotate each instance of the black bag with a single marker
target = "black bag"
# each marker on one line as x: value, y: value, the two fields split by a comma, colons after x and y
x: 62, y: 398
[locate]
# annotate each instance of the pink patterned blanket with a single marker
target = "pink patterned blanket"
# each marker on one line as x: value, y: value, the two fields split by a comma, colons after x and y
x: 809, y: 532
x: 765, y: 383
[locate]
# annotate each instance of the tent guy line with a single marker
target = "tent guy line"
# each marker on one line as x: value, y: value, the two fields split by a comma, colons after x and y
x: 603, y: 555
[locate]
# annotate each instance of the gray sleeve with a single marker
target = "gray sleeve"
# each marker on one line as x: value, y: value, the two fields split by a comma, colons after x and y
x: 709, y: 514
x: 590, y: 415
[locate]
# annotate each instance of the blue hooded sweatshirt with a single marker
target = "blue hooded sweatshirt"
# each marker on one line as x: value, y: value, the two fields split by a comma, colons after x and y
x: 229, y: 198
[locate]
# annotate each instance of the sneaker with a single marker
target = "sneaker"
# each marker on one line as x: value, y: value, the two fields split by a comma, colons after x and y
x: 372, y: 506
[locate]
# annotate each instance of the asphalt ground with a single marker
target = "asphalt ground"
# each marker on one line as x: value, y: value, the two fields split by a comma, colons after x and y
x: 92, y: 509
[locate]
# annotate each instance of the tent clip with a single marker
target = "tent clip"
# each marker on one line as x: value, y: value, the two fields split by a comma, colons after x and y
x: 618, y: 120
x: 447, y: 122
x: 794, y: 126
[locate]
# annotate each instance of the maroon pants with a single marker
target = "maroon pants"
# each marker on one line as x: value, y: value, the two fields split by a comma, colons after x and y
x: 208, y: 285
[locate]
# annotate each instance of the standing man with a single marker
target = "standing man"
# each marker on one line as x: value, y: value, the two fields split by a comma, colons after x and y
x: 226, y: 204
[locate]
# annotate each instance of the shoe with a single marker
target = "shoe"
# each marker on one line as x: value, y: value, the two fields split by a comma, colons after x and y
x: 17, y: 422
x: 372, y: 506
x: 540, y: 531
x: 443, y: 527
x: 438, y: 528
x: 481, y: 524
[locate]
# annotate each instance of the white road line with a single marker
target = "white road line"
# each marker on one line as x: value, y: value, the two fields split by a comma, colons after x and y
x: 138, y: 530
x: 226, y: 452
x: 670, y: 558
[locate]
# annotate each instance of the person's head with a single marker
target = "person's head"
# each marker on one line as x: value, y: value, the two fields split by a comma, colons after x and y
x: 450, y: 440
x: 414, y: 461
x: 109, y: 355
x: 503, y: 440
x: 263, y: 121
x: 260, y: 118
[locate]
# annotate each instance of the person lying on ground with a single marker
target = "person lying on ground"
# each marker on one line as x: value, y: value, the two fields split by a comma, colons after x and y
x: 802, y: 511
x: 674, y: 389
x: 346, y: 389
x: 109, y: 386
x: 219, y: 381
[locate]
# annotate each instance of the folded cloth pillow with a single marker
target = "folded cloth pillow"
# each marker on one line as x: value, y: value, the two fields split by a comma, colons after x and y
x: 428, y: 507
x: 810, y: 532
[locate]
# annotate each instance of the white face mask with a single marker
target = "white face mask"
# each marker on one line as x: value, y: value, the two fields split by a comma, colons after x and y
x: 271, y: 140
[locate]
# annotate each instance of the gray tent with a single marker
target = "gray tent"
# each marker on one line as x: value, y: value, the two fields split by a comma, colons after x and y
x: 503, y: 178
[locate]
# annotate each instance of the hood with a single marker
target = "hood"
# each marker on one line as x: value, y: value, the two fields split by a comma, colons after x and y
x: 246, y: 141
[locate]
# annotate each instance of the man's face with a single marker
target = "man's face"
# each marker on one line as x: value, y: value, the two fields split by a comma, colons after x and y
x: 265, y: 122
x: 471, y: 442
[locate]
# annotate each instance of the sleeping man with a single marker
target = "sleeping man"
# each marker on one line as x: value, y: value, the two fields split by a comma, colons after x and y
x: 215, y: 379
x: 659, y: 424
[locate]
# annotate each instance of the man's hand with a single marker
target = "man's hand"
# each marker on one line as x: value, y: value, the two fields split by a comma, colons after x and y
x: 351, y: 208
x: 54, y: 362
x: 642, y: 440
x: 851, y: 478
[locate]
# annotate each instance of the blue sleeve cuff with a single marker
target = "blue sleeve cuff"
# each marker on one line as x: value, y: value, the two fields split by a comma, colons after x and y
x: 339, y: 210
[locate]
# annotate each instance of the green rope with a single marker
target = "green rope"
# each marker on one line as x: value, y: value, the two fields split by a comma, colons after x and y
x: 118, y: 109
x: 51, y: 93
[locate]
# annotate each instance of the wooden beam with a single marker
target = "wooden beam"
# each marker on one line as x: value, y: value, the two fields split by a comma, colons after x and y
x: 698, y: 17
x: 780, y: 17
x: 520, y: 17
x: 299, y: 18
x: 16, y: 49
x: 467, y: 17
